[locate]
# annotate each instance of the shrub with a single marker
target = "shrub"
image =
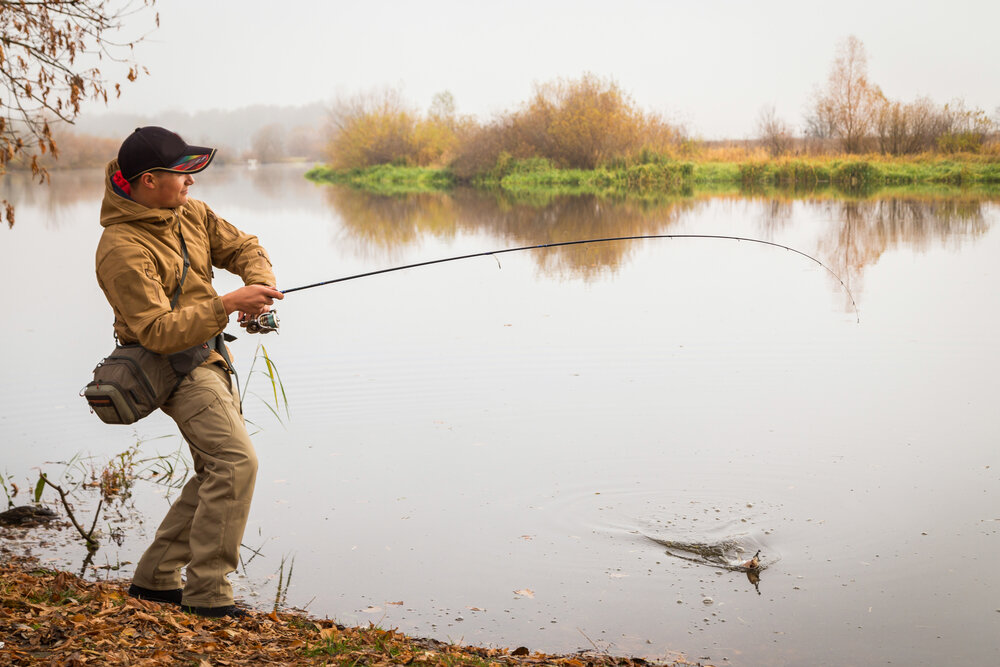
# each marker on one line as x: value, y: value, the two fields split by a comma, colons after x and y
x: 377, y: 128
x: 577, y: 124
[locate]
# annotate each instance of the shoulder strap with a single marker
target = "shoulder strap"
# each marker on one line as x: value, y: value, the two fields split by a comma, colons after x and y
x: 187, y: 263
x: 177, y: 294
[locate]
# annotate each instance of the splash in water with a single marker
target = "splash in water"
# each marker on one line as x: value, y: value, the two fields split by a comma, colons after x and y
x: 729, y: 554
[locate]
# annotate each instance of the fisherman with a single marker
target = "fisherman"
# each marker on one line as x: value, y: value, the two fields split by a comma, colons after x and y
x: 151, y: 230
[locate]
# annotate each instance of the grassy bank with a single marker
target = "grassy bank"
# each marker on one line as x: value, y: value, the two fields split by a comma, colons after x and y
x: 53, y: 617
x: 517, y: 176
x: 538, y: 175
x: 386, y: 179
x: 859, y: 172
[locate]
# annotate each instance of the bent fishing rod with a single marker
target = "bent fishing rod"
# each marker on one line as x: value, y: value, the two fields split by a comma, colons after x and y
x: 491, y: 253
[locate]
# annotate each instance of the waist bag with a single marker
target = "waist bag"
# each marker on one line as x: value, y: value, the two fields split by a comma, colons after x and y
x: 132, y: 382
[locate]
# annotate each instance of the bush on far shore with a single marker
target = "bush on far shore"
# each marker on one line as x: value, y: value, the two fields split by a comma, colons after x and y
x: 580, y: 123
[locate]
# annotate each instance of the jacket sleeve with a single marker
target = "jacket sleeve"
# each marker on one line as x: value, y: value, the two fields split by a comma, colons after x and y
x: 238, y: 252
x: 129, y: 279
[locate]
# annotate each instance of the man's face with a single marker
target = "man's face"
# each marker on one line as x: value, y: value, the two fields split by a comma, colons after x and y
x: 169, y: 189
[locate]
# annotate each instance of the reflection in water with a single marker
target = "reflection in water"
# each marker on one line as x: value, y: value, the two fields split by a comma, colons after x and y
x: 867, y: 229
x: 862, y: 232
x: 390, y: 222
x: 279, y: 187
x: 864, y: 228
x: 66, y: 189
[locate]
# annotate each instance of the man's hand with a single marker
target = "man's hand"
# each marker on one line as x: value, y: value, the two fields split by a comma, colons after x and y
x: 250, y: 300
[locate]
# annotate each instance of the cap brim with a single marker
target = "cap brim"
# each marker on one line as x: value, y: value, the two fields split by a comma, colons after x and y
x: 194, y: 160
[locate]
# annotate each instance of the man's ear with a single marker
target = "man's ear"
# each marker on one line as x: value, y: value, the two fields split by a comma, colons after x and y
x: 147, y: 180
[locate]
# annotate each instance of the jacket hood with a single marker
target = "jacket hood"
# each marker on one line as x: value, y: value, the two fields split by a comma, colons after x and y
x: 117, y: 209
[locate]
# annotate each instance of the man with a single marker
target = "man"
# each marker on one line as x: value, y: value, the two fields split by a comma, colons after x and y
x: 151, y: 231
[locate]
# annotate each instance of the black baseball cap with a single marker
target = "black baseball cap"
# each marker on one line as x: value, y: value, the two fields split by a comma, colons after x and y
x: 157, y: 149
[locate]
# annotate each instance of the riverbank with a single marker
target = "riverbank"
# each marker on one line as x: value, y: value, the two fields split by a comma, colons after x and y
x: 850, y: 173
x: 53, y: 617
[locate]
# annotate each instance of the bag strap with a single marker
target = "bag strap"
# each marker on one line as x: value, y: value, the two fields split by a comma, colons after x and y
x: 177, y: 293
x: 187, y: 263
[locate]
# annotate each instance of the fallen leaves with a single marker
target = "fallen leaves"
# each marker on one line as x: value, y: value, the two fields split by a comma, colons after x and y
x: 49, y: 617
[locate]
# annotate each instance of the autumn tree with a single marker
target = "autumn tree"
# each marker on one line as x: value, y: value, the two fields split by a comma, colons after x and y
x: 579, y: 123
x: 586, y: 122
x: 773, y: 132
x: 268, y: 143
x: 380, y: 128
x: 903, y: 128
x: 443, y: 110
x: 302, y: 141
x: 922, y: 125
x: 49, y: 56
x: 849, y: 103
x: 967, y: 128
x: 370, y: 128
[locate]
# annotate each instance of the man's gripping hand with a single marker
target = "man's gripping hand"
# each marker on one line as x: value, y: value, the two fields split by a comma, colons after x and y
x: 250, y: 300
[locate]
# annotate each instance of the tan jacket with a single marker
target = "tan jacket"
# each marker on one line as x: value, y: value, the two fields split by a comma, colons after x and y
x: 139, y: 266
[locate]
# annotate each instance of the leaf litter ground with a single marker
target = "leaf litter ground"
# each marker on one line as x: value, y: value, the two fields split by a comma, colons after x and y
x: 51, y: 617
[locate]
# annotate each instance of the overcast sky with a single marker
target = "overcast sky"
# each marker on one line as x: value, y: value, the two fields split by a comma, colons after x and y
x: 711, y: 64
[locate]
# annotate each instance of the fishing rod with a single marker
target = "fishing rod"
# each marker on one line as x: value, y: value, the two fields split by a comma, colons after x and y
x: 491, y: 253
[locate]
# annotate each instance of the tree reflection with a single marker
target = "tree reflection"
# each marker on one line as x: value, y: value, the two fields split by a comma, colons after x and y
x: 385, y: 223
x: 66, y: 189
x: 863, y: 228
x: 867, y: 229
x: 857, y: 228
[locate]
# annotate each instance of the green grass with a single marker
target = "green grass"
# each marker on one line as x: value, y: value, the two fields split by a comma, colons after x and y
x: 538, y: 178
x: 716, y: 173
x: 386, y: 179
x: 858, y: 172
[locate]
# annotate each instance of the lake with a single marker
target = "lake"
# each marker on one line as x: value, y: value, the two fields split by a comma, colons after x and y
x: 565, y: 448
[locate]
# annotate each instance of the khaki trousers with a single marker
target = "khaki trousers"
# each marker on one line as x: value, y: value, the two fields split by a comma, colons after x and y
x: 204, y: 526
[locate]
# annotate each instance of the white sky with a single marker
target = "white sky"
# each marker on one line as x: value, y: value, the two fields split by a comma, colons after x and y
x: 711, y: 64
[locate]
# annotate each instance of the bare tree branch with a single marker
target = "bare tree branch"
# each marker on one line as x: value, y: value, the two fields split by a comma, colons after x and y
x: 47, y: 51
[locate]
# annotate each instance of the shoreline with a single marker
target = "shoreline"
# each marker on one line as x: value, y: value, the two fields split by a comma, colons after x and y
x: 51, y: 615
x: 849, y: 175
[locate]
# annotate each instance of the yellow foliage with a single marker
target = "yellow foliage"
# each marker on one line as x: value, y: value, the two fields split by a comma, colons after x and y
x: 579, y: 123
x: 379, y: 129
x: 587, y: 122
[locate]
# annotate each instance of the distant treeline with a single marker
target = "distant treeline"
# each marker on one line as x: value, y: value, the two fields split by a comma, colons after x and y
x: 262, y: 133
x: 590, y: 123
x: 583, y: 123
x: 81, y: 151
x: 852, y: 114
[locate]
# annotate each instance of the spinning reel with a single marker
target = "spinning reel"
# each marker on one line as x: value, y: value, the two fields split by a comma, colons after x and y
x: 263, y: 323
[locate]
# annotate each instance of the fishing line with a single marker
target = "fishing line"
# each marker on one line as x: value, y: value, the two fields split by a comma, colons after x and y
x: 491, y: 253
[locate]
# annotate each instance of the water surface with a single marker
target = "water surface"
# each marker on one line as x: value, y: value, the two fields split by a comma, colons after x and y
x: 498, y: 451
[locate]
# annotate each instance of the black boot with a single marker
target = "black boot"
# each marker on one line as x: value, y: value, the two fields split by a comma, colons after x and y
x: 170, y: 596
x: 230, y: 610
